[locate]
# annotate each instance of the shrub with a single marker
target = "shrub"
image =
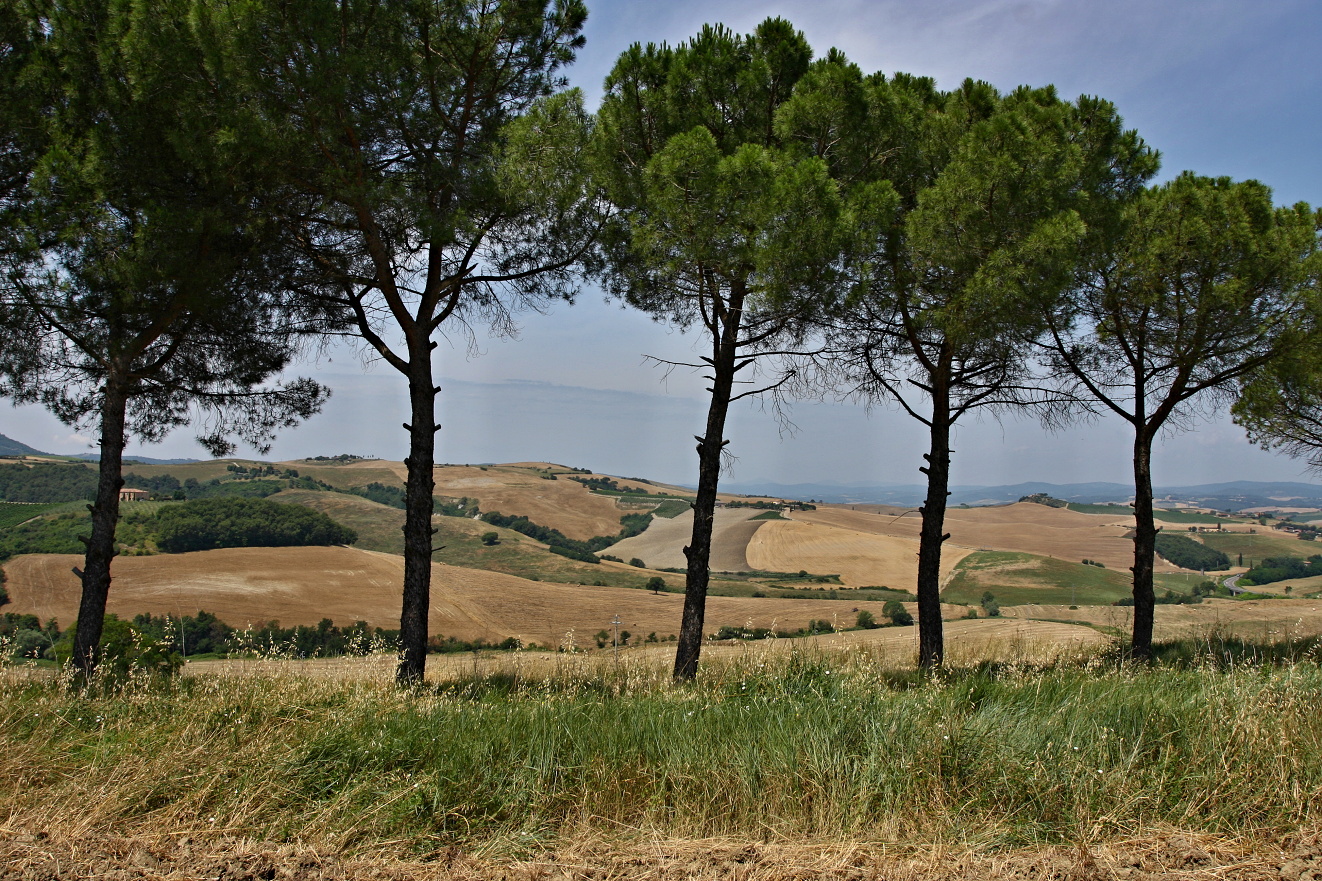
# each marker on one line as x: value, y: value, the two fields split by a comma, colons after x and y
x: 899, y: 615
x: 865, y: 621
x: 490, y: 538
x: 637, y: 562
x: 124, y: 650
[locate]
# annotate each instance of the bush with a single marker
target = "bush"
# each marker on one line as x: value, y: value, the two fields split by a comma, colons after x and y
x: 865, y: 621
x: 637, y: 562
x: 490, y: 538
x: 574, y: 554
x: 124, y: 650
x: 899, y: 615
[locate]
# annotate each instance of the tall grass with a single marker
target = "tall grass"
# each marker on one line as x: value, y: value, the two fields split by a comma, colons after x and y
x: 771, y: 746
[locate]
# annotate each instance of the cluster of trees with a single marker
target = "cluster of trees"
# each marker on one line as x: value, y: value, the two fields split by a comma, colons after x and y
x: 559, y: 543
x: 47, y: 483
x: 229, y: 522
x: 242, y: 523
x: 1189, y: 554
x: 1275, y: 569
x: 204, y: 633
x: 190, y: 189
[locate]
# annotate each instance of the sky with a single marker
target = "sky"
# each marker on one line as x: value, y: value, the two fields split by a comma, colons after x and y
x: 1221, y: 87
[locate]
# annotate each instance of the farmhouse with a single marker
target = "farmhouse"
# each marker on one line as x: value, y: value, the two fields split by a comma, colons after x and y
x: 133, y: 495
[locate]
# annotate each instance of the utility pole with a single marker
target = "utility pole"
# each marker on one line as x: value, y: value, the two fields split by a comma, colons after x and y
x: 616, y: 621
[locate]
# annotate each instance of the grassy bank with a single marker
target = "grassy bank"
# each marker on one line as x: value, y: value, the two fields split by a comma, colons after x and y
x: 775, y: 746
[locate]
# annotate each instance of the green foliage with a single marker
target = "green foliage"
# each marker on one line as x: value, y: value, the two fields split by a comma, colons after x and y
x: 656, y: 584
x: 234, y: 522
x: 574, y: 554
x: 630, y: 524
x: 1182, y: 551
x: 490, y: 538
x: 671, y: 508
x: 898, y: 614
x: 14, y: 513
x: 1275, y: 569
x: 205, y: 634
x: 47, y: 483
x: 124, y: 651
x: 865, y: 620
x: 59, y: 534
x: 506, y: 752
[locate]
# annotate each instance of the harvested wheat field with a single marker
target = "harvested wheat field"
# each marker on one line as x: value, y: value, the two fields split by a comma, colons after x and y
x: 861, y: 559
x: 1255, y: 620
x: 243, y: 586
x: 1024, y: 526
x: 560, y: 504
x: 662, y: 545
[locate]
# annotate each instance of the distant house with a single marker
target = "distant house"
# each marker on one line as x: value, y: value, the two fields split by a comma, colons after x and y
x: 133, y: 495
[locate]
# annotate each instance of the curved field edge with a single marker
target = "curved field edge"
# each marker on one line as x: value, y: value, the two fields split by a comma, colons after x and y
x: 800, y: 747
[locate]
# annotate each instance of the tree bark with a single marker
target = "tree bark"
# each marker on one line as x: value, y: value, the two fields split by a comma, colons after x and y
x: 1145, y: 548
x: 698, y: 551
x: 105, y: 517
x: 419, y: 485
x: 931, y: 638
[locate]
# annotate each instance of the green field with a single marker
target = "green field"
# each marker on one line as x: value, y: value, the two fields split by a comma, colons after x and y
x: 1163, y: 515
x: 1018, y: 578
x: 1099, y: 509
x: 1265, y: 543
x: 1166, y: 515
x: 14, y: 513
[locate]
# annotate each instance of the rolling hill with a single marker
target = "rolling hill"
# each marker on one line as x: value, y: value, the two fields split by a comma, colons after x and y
x: 1029, y: 555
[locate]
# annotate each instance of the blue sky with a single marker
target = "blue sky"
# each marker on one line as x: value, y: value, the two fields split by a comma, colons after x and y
x: 1221, y: 87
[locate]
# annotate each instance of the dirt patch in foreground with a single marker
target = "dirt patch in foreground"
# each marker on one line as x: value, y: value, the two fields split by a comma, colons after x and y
x: 35, y: 857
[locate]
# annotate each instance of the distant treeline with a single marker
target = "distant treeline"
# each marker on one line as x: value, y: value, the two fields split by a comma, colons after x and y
x: 630, y: 525
x: 47, y: 483
x: 206, y: 524
x: 1274, y: 569
x: 1186, y: 553
x: 25, y: 636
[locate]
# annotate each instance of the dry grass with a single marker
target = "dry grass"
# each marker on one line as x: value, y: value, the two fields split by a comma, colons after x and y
x: 776, y: 765
x: 859, y: 558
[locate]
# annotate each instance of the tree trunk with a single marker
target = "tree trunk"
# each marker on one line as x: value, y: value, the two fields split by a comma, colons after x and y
x: 698, y: 551
x: 931, y: 639
x: 419, y: 486
x: 1145, y: 548
x: 105, y: 517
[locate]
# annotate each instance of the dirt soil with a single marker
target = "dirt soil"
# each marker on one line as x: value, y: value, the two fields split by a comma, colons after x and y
x: 38, y: 856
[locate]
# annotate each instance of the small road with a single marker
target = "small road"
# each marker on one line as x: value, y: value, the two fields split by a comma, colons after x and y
x: 1231, y: 583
